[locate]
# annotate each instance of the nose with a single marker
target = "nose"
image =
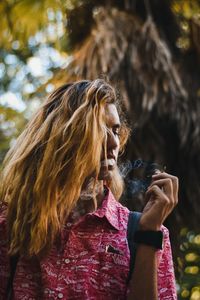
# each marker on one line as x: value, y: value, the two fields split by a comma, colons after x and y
x: 112, y: 140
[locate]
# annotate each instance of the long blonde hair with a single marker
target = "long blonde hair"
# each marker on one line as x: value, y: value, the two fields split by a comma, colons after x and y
x: 44, y: 171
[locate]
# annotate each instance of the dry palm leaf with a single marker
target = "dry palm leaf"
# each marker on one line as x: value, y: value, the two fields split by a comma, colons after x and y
x: 133, y: 56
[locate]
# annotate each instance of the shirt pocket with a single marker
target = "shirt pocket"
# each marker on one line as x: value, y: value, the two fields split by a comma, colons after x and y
x: 114, y: 266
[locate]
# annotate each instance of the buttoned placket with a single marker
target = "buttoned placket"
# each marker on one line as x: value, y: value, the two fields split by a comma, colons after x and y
x: 63, y: 261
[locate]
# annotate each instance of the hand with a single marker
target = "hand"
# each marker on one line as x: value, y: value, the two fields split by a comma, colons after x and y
x: 162, y: 197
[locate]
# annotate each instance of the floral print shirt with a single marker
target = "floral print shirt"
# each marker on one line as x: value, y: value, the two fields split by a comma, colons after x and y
x: 91, y: 263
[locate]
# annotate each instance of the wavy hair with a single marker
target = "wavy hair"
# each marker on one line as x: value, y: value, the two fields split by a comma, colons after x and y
x: 44, y: 171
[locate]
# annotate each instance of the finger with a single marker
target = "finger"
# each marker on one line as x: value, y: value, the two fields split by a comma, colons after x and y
x: 160, y: 197
x: 174, y: 179
x: 156, y: 190
x: 166, y: 185
x: 161, y: 203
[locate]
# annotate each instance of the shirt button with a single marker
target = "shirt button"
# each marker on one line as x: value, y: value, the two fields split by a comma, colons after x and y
x: 60, y: 295
x: 67, y: 260
x: 69, y: 224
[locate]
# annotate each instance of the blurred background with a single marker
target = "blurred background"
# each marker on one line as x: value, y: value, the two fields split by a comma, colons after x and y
x: 150, y: 52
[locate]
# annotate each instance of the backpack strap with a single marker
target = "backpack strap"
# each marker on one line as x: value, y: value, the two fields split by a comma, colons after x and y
x: 132, y: 226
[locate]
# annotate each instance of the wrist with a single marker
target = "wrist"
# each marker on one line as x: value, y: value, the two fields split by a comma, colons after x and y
x: 149, y: 228
x: 144, y: 226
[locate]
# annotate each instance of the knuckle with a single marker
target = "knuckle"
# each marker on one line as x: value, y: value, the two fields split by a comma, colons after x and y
x: 176, y: 180
x: 168, y: 180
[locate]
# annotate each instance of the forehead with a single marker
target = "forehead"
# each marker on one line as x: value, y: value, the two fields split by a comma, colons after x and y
x: 111, y: 115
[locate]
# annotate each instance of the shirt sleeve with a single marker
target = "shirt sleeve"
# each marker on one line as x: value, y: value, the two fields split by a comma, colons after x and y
x: 166, y: 276
x: 4, y: 259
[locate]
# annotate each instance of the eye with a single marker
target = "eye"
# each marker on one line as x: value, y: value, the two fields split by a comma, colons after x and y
x: 116, y: 131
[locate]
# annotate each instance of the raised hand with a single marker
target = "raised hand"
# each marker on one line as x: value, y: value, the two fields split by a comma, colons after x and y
x: 162, y: 197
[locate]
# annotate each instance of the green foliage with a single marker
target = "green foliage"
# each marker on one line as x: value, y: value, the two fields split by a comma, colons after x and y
x: 30, y: 35
x: 11, y: 124
x: 189, y: 265
x: 24, y: 18
x: 185, y: 11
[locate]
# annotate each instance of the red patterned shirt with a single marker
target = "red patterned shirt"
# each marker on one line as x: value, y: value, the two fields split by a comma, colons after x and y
x: 83, y: 267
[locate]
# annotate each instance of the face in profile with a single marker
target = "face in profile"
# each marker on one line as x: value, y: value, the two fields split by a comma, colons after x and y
x: 109, y: 163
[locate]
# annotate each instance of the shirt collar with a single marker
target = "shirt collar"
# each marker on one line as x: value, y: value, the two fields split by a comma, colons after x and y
x: 109, y: 210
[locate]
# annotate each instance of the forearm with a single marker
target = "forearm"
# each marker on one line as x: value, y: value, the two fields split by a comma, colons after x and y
x: 143, y: 283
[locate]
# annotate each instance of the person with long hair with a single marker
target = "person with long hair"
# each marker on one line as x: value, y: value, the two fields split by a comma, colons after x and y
x: 60, y: 217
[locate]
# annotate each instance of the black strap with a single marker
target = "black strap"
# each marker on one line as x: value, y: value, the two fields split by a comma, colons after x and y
x: 133, y: 224
x: 13, y: 266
